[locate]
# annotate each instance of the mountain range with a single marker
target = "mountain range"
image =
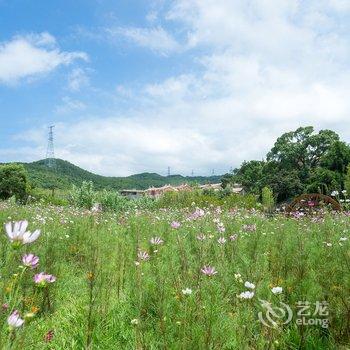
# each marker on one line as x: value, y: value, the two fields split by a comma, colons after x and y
x: 65, y: 174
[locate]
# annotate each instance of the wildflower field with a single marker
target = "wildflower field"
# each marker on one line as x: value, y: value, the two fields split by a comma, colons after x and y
x: 173, y: 279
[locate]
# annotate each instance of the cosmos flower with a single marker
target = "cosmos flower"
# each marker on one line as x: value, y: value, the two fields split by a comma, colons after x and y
x: 175, y: 224
x: 17, y: 233
x: 246, y: 295
x: 222, y: 240
x: 209, y: 271
x: 30, y: 260
x: 143, y: 255
x: 156, y: 241
x: 42, y: 279
x: 14, y: 320
x: 277, y: 290
x: 134, y: 322
x: 187, y: 291
x: 249, y: 285
x: 249, y: 228
x: 201, y: 237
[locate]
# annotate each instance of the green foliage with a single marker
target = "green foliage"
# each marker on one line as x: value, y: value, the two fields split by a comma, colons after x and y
x: 324, y: 181
x: 347, y: 180
x: 112, y: 200
x: 267, y: 199
x: 13, y: 181
x: 300, y: 161
x: 83, y: 196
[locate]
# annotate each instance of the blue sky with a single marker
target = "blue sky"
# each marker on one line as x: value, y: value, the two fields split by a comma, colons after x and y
x: 137, y: 85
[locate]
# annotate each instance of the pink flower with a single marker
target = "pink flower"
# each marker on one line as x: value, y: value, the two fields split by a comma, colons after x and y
x: 233, y: 237
x: 209, y: 271
x: 49, y: 336
x: 175, y: 224
x: 42, y: 279
x: 14, y: 320
x: 30, y: 260
x: 156, y: 241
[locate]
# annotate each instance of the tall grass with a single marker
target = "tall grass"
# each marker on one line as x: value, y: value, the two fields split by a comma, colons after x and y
x: 105, y: 297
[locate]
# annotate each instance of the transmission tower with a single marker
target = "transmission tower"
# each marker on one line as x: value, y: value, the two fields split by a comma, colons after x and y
x: 50, y: 152
x: 192, y: 173
x: 213, y: 172
x: 168, y: 170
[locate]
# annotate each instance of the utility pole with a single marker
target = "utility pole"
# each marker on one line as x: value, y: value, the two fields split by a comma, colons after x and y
x: 50, y: 152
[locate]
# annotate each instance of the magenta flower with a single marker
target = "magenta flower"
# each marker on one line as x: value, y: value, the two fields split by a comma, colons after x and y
x: 30, y: 260
x: 209, y: 271
x: 156, y: 241
x: 17, y: 233
x: 42, y: 279
x: 142, y: 255
x: 14, y: 320
x: 175, y: 224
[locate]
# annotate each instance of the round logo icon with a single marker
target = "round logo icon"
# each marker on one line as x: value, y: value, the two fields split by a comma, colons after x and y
x: 272, y: 316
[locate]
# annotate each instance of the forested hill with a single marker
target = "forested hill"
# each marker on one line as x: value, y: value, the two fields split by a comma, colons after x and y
x: 65, y: 174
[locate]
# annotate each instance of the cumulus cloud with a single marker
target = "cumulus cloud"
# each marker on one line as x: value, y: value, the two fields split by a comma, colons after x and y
x: 32, y: 55
x: 261, y: 68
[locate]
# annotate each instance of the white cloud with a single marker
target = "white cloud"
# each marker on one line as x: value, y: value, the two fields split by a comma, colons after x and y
x: 154, y: 38
x: 68, y: 105
x: 32, y: 55
x: 77, y: 79
x: 263, y: 67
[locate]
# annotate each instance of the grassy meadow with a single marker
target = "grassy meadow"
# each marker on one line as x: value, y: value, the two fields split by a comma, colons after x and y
x: 173, y: 279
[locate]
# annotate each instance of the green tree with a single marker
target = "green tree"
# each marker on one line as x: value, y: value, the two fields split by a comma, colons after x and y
x: 323, y: 181
x: 250, y: 175
x: 337, y: 158
x: 13, y: 181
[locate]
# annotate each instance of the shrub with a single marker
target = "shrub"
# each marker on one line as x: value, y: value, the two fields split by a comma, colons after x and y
x: 267, y: 198
x: 83, y: 196
x: 13, y: 181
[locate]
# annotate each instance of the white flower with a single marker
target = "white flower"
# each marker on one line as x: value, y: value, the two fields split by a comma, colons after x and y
x: 187, y: 291
x: 222, y: 240
x: 16, y: 232
x: 343, y: 239
x: 246, y: 295
x: 249, y: 285
x: 135, y: 321
x: 277, y: 290
x: 334, y: 193
x: 344, y: 192
x: 14, y: 320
